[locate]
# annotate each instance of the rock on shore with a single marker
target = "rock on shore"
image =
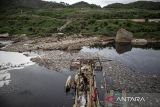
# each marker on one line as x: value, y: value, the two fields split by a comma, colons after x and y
x: 139, y: 41
x: 124, y: 36
x: 4, y: 35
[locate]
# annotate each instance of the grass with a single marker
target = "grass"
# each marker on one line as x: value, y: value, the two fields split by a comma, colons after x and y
x: 29, y: 24
x: 110, y: 27
x: 89, y: 22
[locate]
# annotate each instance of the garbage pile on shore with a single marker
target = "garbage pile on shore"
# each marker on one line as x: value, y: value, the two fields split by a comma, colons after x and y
x: 60, y: 60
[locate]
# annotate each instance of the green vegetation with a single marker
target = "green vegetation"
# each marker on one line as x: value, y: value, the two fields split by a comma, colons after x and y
x: 138, y: 4
x: 90, y: 21
x: 83, y: 4
x: 29, y: 24
x: 109, y: 27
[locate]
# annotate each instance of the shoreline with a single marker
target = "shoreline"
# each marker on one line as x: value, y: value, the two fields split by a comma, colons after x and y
x: 64, y: 43
x: 52, y: 43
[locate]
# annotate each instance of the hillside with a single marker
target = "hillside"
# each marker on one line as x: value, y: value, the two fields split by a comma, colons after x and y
x: 138, y: 4
x: 43, y: 4
x: 83, y: 4
x: 39, y: 18
x: 30, y: 4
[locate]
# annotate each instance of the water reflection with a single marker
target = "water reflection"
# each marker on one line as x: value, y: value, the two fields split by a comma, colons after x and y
x: 101, y: 46
x: 120, y: 47
x: 123, y: 47
x: 36, y: 86
x: 139, y: 58
x: 155, y: 46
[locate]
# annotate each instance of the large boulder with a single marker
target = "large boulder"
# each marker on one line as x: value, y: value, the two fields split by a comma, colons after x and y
x: 124, y: 36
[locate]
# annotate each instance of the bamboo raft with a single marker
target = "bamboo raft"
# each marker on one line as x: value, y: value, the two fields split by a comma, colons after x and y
x: 86, y: 93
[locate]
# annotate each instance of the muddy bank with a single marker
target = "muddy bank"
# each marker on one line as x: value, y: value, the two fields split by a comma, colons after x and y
x: 23, y: 43
x: 53, y: 43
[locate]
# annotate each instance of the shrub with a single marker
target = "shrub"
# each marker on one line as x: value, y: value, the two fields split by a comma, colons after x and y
x: 91, y: 21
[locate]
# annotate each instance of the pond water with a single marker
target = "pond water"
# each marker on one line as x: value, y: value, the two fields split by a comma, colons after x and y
x: 26, y: 84
x: 37, y: 86
x: 145, y: 59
